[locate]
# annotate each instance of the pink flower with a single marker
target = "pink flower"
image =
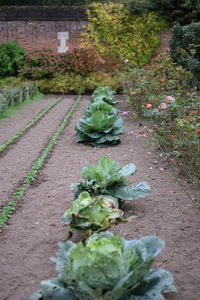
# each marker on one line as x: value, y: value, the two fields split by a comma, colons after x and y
x: 148, y: 105
x: 126, y: 60
x: 163, y: 105
x: 169, y: 99
x: 162, y: 79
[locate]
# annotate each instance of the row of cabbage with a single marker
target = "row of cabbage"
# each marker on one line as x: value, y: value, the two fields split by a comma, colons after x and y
x: 14, y: 96
x: 104, y: 266
x: 101, y: 123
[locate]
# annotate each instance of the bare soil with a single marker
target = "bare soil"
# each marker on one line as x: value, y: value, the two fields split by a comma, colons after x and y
x: 17, y: 160
x: 31, y: 236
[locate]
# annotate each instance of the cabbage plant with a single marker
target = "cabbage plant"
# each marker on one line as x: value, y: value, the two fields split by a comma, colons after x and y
x: 108, y: 267
x: 109, y: 179
x: 104, y: 93
x: 89, y: 214
x: 99, y: 129
x: 100, y: 105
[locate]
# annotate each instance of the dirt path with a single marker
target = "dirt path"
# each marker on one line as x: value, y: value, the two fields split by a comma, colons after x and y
x: 17, y: 161
x: 31, y: 237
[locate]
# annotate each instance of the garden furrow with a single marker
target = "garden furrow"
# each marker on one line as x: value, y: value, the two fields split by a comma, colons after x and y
x: 20, y: 118
x: 21, y: 156
x: 31, y: 237
x: 33, y: 122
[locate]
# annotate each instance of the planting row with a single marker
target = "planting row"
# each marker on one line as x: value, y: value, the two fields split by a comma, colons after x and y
x: 31, y: 176
x: 104, y: 266
x: 23, y: 130
x: 10, y: 97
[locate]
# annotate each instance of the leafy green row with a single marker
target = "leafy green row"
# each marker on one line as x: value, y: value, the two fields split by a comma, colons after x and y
x: 23, y: 130
x: 101, y: 125
x: 30, y: 177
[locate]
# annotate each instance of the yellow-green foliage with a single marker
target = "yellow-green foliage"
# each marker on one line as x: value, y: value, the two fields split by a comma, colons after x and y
x: 116, y: 32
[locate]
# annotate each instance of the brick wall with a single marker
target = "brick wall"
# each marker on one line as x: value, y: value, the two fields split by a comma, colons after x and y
x: 39, y: 31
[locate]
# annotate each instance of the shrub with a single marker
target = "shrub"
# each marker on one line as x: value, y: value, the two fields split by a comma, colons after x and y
x: 185, y: 48
x: 10, y: 57
x: 85, y: 61
x: 116, y: 33
x: 182, y: 11
x: 62, y: 84
x: 40, y: 64
x: 77, y: 84
x: 162, y: 93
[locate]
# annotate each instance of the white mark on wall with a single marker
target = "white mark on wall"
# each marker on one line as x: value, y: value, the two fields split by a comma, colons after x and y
x: 63, y: 37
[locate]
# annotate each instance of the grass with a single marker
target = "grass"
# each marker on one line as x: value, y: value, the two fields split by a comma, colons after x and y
x: 9, y: 111
x: 31, y: 176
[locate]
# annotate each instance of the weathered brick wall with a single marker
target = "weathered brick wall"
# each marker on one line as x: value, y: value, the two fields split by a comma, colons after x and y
x: 39, y: 31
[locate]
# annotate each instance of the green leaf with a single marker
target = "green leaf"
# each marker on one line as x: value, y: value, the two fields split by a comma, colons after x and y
x: 139, y: 190
x: 53, y: 289
x: 129, y: 169
x: 154, y: 284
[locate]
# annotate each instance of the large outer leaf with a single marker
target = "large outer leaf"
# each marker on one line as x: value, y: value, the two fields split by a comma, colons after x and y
x: 139, y: 190
x: 129, y: 169
x: 154, y: 284
x: 53, y: 289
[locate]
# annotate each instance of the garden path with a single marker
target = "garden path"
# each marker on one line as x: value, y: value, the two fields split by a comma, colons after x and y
x: 31, y: 236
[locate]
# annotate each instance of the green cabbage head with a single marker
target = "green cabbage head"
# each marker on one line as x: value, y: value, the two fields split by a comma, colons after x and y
x: 89, y: 214
x: 108, y: 267
x: 104, y: 93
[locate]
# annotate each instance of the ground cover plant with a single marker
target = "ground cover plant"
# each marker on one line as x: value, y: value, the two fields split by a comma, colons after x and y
x: 101, y: 125
x: 107, y: 267
x: 162, y: 92
x: 109, y: 179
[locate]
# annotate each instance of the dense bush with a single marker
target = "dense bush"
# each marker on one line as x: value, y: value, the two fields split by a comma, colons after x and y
x: 162, y: 93
x: 185, y: 48
x: 116, y: 33
x: 76, y: 84
x: 183, y: 11
x: 44, y: 63
x: 10, y: 57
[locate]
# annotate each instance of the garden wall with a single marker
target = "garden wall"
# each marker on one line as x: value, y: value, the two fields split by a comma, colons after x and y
x: 42, y: 27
